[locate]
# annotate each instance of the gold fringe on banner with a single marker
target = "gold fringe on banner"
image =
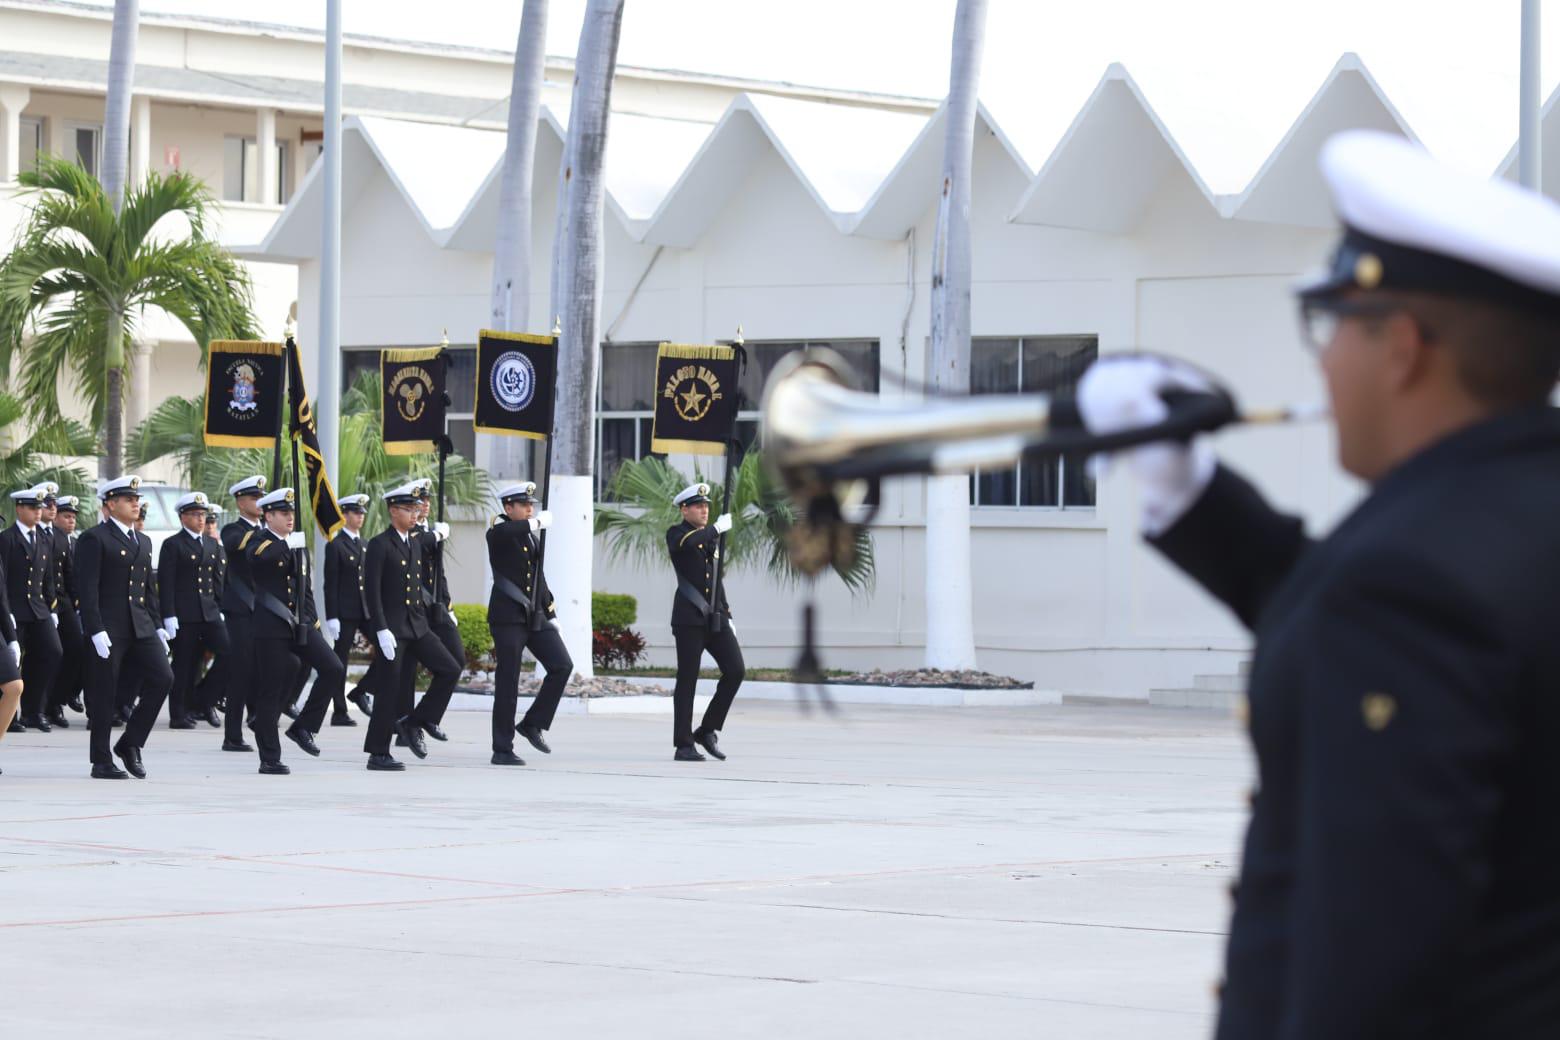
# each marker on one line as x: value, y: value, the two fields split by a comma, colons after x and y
x: 244, y: 346
x: 408, y: 447
x: 672, y: 447
x: 402, y: 355
x: 695, y: 353
x: 509, y: 433
x: 222, y: 440
x: 518, y: 337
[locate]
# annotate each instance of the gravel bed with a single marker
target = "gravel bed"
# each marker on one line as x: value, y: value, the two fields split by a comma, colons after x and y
x: 600, y: 686
x: 958, y: 680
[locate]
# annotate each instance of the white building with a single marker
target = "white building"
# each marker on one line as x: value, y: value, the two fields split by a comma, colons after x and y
x: 805, y: 217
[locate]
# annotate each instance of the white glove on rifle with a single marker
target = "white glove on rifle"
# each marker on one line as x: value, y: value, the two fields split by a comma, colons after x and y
x: 544, y: 518
x: 333, y: 629
x: 386, y: 643
x: 441, y: 531
x: 56, y: 619
x: 296, y: 540
x: 1124, y: 393
x: 171, y: 626
x: 723, y: 523
x: 535, y: 524
x: 100, y: 643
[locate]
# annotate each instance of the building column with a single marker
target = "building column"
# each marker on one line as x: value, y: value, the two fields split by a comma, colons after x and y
x: 138, y: 389
x: 265, y: 140
x: 12, y: 100
x: 140, y: 140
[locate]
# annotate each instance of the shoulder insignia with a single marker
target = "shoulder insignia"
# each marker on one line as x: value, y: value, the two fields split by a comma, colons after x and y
x: 263, y: 546
x: 244, y: 541
x: 691, y: 532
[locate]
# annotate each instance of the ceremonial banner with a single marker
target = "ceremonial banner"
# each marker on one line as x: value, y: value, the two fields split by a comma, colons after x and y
x: 243, y: 394
x: 695, y: 399
x: 413, y: 405
x: 517, y: 375
x: 306, y: 435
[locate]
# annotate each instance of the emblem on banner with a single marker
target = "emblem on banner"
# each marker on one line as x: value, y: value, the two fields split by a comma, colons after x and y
x: 243, y: 400
x: 692, y: 389
x: 411, y: 388
x: 514, y: 381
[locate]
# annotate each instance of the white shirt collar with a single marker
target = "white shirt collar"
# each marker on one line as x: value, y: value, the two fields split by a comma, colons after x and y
x: 129, y: 532
x: 351, y: 534
x: 197, y: 535
x: 24, y: 528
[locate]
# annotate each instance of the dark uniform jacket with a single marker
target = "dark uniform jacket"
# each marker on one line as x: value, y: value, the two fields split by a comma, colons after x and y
x: 693, y: 551
x: 393, y: 585
x: 512, y: 552
x: 64, y: 573
x: 116, y: 583
x: 221, y: 567
x: 29, y: 572
x: 237, y: 592
x: 283, y: 588
x: 187, y: 578
x: 344, y: 584
x: 1399, y: 871
x: 435, y: 579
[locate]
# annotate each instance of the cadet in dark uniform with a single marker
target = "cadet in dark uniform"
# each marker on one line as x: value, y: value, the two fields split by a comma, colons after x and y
x: 393, y: 588
x: 238, y: 599
x: 1398, y: 878
x: 10, y: 663
x: 209, y: 688
x: 58, y: 516
x: 436, y: 595
x: 346, y: 609
x: 115, y: 579
x: 699, y: 623
x: 191, y: 605
x: 513, y: 552
x: 28, y: 552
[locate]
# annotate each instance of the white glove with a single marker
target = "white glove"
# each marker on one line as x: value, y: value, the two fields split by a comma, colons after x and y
x: 441, y: 531
x: 100, y: 643
x: 56, y: 619
x: 386, y: 643
x: 544, y: 518
x: 163, y: 637
x: 297, y: 541
x: 723, y: 523
x: 1124, y: 393
x: 13, y: 621
x: 333, y: 629
x: 535, y: 524
x: 16, y: 652
x: 171, y: 626
x: 451, y: 612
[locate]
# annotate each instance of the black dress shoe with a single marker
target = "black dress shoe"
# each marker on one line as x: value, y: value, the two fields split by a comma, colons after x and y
x: 182, y: 723
x: 303, y: 738
x: 341, y: 718
x: 385, y: 764
x: 108, y: 771
x: 364, y: 702
x: 534, y: 736
x: 75, y: 705
x: 274, y: 769
x: 688, y: 754
x: 707, y: 739
x: 211, y: 718
x: 16, y: 726
x: 411, y: 732
x: 236, y: 745
x: 56, y: 717
x: 433, y: 731
x: 131, y: 757
x: 290, y: 710
x: 37, y: 722
x: 507, y: 758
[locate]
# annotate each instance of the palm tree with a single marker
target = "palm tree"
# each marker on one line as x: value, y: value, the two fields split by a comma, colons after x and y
x: 117, y: 95
x: 175, y: 430
x: 635, y: 529
x: 81, y: 278
x: 950, y: 626
x: 41, y: 456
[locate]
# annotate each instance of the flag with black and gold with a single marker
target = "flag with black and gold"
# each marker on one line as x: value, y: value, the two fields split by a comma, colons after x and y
x: 517, y: 375
x: 306, y: 436
x: 244, y: 393
x: 413, y: 406
x: 695, y: 399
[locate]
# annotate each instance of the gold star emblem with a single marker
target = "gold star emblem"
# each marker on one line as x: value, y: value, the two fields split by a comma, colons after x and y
x: 691, y: 398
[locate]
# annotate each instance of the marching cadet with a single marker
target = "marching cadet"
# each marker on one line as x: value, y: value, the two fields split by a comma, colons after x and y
x: 701, y: 620
x: 346, y: 609
x: 73, y: 642
x: 285, y: 631
x: 116, y: 583
x: 513, y: 553
x: 209, y: 689
x: 393, y: 589
x: 28, y: 552
x: 436, y: 594
x: 238, y: 600
x: 187, y: 587
x: 1398, y: 872
x: 10, y: 663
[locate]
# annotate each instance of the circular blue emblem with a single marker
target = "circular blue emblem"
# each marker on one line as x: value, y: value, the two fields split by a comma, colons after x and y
x: 513, y: 381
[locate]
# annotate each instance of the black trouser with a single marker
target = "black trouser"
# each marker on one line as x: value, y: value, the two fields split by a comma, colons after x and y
x: 274, y: 668
x: 147, y: 663
x: 449, y: 635
x: 67, y: 681
x: 429, y: 651
x: 189, y: 649
x: 41, y: 656
x: 330, y: 676
x: 343, y: 648
x: 238, y: 668
x: 547, y: 647
x: 692, y: 641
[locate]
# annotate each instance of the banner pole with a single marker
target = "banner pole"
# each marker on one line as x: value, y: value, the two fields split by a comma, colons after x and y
x: 300, y: 636
x: 284, y: 412
x: 539, y: 610
x: 717, y: 622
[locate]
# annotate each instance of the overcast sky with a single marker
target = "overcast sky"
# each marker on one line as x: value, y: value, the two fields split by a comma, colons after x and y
x: 1226, y: 76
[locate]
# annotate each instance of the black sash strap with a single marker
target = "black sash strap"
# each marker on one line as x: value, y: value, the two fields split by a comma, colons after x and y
x: 694, y: 596
x: 510, y: 589
x: 274, y: 605
x: 246, y: 595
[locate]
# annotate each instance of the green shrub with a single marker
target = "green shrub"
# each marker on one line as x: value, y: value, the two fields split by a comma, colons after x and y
x: 472, y: 621
x: 611, y: 610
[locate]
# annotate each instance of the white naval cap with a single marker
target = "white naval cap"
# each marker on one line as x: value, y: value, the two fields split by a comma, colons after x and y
x: 281, y: 498
x: 691, y: 495
x: 129, y: 484
x: 67, y: 503
x: 524, y: 491
x: 405, y: 495
x: 46, y: 490
x: 1414, y: 223
x: 27, y: 497
x: 193, y: 500
x: 254, y: 485
x: 353, y: 503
